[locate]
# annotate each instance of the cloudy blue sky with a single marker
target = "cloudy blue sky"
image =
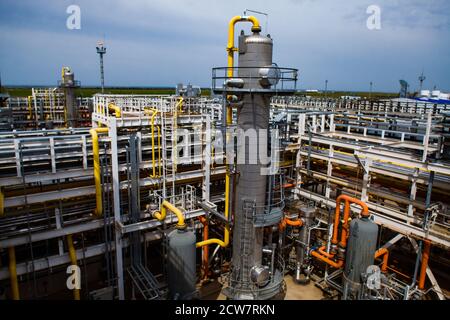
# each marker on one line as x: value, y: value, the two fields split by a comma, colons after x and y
x: 160, y: 43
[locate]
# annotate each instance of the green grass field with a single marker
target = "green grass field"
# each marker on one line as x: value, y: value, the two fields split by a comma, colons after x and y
x: 89, y: 92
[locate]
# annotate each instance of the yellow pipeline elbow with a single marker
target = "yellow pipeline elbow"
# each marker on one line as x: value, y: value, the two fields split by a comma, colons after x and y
x: 166, y: 205
x: 116, y: 109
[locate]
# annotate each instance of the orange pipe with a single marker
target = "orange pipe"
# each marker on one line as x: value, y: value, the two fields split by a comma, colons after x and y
x: 348, y: 200
x: 385, y: 253
x: 293, y: 223
x: 324, y: 253
x: 325, y: 256
x: 424, y: 265
x: 332, y: 263
x: 205, y: 249
x: 398, y: 272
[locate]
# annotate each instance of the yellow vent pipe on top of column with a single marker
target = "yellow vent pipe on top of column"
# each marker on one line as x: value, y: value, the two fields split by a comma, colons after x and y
x: 231, y: 48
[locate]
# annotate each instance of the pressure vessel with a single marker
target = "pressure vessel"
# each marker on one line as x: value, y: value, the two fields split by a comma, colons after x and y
x: 361, y: 247
x: 181, y: 264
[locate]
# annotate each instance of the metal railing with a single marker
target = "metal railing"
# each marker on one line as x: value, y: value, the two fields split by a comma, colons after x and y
x: 272, y: 78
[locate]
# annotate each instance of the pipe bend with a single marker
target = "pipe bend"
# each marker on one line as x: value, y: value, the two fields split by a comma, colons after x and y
x: 97, y: 177
x: 116, y: 109
x: 385, y: 253
x: 166, y: 205
x: 294, y: 223
x: 330, y: 262
x: 363, y: 205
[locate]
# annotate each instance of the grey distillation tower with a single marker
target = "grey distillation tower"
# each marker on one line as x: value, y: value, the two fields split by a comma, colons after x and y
x: 255, y: 271
x: 101, y: 50
x: 69, y: 84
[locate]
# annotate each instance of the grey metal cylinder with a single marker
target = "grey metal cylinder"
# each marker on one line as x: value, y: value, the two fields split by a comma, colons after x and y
x: 361, y: 247
x: 181, y: 264
x: 70, y: 99
x: 307, y: 215
x: 255, y: 52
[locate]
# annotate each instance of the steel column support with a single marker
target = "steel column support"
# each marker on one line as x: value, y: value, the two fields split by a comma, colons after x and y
x: 116, y: 200
x: 206, y: 160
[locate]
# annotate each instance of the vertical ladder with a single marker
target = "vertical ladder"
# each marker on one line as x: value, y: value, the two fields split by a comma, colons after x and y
x: 169, y: 148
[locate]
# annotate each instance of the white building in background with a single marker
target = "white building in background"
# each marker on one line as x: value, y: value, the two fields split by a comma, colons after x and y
x: 435, y: 94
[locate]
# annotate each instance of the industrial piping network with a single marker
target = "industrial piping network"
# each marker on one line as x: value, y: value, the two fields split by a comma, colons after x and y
x: 140, y: 165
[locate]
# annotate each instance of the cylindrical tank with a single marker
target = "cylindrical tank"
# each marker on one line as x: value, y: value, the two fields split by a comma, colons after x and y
x: 307, y: 215
x: 69, y: 93
x: 181, y: 264
x: 255, y: 52
x: 361, y: 247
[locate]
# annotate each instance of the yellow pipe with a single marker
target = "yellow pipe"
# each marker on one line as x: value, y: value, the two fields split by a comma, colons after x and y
x: 2, y: 202
x: 231, y: 48
x: 159, y: 151
x: 166, y: 205
x: 116, y: 109
x: 13, y: 274
x: 73, y: 261
x: 226, y: 235
x: 98, y: 183
x: 179, y: 104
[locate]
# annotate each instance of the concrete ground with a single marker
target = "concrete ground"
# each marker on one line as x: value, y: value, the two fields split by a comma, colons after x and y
x: 301, y: 292
x: 212, y: 291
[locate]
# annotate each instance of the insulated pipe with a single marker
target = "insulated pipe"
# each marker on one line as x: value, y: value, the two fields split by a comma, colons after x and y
x: 424, y: 265
x: 73, y: 261
x: 97, y: 179
x: 385, y: 253
x: 325, y: 256
x: 332, y: 263
x: 13, y: 273
x: 166, y: 205
x: 293, y: 223
x: 223, y: 244
x: 205, y: 249
x: 348, y: 200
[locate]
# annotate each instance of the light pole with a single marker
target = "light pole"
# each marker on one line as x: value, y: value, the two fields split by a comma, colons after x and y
x: 101, y: 50
x: 326, y: 87
x: 370, y: 93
